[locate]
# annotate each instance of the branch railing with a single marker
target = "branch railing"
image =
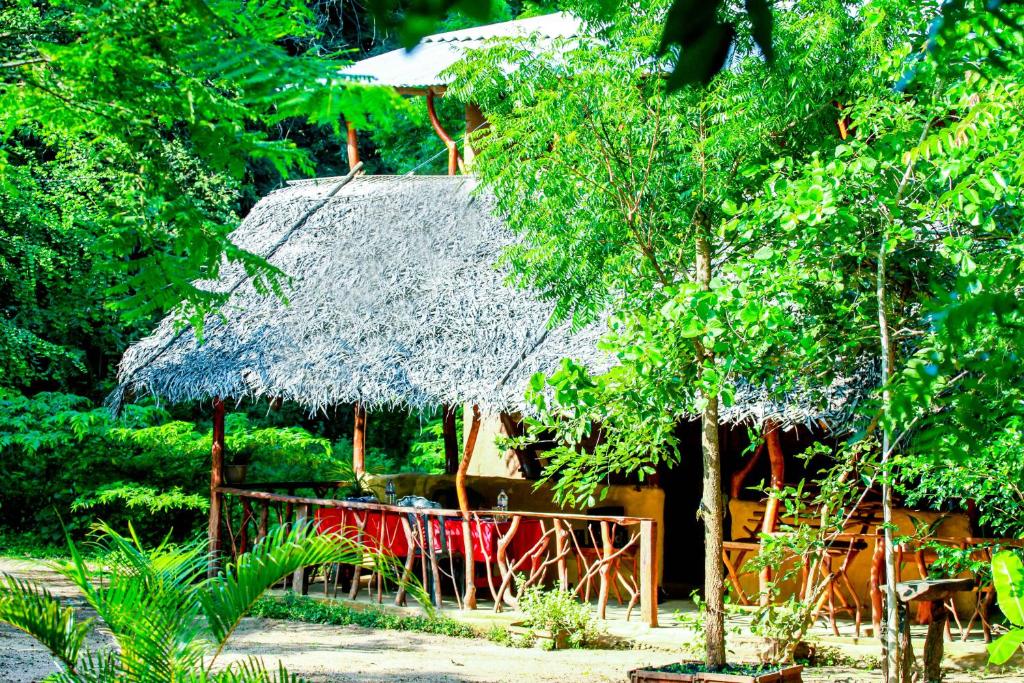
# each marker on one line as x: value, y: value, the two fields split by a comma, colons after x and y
x: 514, y: 550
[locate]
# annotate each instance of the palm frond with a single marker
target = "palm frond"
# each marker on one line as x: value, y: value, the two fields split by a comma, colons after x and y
x: 148, y: 603
x: 34, y: 610
x: 227, y: 597
x: 249, y: 670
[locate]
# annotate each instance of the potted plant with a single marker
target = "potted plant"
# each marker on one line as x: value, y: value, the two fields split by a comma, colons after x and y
x: 555, y: 619
x: 237, y: 463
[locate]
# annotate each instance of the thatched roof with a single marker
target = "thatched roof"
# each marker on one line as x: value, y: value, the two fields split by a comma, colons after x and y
x: 395, y: 301
x: 425, y: 65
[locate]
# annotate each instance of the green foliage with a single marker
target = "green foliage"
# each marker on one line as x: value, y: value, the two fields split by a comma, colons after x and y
x: 169, y: 103
x: 169, y: 622
x: 1008, y: 578
x: 557, y: 611
x: 61, y: 454
x: 297, y: 608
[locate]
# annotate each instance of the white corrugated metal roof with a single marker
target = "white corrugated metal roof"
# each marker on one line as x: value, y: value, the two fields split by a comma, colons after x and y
x: 421, y: 66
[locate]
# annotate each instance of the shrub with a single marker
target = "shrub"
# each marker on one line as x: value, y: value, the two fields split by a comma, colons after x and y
x: 559, y: 611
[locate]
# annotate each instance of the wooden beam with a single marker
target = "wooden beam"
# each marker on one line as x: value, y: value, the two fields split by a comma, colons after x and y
x: 352, y: 146
x: 469, y: 599
x: 738, y: 478
x: 359, y: 440
x: 771, y: 512
x: 300, y: 583
x: 449, y: 433
x: 649, y: 572
x: 216, y: 480
x: 449, y: 141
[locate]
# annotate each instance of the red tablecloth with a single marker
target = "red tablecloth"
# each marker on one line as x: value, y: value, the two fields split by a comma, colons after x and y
x: 384, y: 531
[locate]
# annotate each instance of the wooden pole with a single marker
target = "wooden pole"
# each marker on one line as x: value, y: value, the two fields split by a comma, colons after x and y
x: 649, y: 572
x: 300, y: 584
x: 216, y: 479
x: 449, y: 141
x: 738, y: 478
x: 352, y: 146
x: 469, y: 600
x: 359, y: 440
x: 449, y: 433
x: 771, y: 512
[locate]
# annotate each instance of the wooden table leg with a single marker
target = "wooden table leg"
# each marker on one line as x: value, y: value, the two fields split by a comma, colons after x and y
x: 933, y: 642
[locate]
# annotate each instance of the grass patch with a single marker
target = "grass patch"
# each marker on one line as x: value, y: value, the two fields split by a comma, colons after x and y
x: 297, y: 608
x: 27, y: 546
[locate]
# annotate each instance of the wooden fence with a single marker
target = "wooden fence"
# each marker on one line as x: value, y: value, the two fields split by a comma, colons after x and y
x: 484, y: 551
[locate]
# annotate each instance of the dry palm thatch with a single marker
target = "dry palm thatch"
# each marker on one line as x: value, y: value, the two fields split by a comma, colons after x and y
x: 393, y: 301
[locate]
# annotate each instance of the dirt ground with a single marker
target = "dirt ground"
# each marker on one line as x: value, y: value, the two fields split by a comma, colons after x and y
x: 352, y: 653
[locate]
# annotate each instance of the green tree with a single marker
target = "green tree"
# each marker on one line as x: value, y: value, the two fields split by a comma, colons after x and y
x: 626, y: 200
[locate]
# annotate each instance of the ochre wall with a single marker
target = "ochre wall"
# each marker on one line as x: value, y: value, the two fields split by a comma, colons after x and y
x: 488, y: 460
x: 636, y: 502
x: 954, y: 525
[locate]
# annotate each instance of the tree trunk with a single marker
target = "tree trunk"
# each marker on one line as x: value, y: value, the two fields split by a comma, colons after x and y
x: 711, y: 504
x: 892, y: 642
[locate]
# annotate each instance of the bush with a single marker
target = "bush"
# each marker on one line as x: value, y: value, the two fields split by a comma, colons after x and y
x: 557, y: 611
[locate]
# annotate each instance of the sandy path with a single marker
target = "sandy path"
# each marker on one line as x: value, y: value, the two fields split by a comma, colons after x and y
x: 353, y: 653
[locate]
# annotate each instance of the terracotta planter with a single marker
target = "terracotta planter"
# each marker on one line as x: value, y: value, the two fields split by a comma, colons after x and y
x: 785, y: 674
x: 235, y: 474
x: 559, y: 641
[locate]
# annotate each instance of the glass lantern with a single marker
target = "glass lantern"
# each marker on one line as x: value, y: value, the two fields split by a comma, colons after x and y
x: 389, y: 491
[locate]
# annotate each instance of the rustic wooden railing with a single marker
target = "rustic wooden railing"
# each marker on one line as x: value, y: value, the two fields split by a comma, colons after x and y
x: 516, y: 550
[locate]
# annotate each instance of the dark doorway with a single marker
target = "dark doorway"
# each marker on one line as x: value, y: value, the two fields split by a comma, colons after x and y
x: 683, y: 558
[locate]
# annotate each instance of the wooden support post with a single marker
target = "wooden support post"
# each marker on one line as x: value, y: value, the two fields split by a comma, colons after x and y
x: 771, y: 512
x: 243, y: 534
x: 933, y: 642
x: 453, y: 152
x: 299, y: 583
x: 605, y: 570
x: 560, y: 552
x: 449, y: 433
x: 469, y: 599
x: 359, y: 440
x: 352, y: 146
x: 649, y: 572
x: 738, y: 478
x: 216, y: 478
x: 877, y: 572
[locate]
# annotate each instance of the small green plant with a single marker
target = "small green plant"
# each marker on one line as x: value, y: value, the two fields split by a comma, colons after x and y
x: 298, y: 608
x: 1008, y: 578
x: 169, y: 621
x: 559, y: 612
x: 782, y: 626
x: 502, y: 636
x: 696, y: 621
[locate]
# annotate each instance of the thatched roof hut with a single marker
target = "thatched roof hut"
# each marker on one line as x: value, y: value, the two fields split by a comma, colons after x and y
x: 394, y: 300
